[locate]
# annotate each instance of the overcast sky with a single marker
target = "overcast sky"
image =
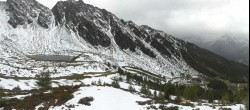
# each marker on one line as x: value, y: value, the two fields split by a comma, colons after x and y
x: 180, y: 17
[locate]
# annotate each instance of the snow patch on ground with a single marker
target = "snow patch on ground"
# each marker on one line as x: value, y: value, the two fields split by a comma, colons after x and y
x: 105, y: 98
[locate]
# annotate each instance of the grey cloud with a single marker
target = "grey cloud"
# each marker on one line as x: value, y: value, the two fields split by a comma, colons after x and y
x: 184, y: 17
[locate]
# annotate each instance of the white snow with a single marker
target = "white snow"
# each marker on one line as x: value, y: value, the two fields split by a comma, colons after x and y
x: 23, y: 84
x: 105, y: 98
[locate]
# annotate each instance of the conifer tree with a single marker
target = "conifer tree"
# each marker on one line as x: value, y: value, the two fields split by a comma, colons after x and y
x: 2, y: 100
x: 155, y: 94
x: 169, y: 89
x: 100, y: 82
x: 44, y: 81
x: 190, y: 92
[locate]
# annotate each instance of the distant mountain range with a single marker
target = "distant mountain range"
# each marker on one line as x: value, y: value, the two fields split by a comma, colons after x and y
x: 232, y: 48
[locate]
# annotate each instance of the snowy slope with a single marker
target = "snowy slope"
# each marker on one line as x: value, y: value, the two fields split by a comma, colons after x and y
x: 32, y: 39
x: 101, y: 40
x: 105, y: 98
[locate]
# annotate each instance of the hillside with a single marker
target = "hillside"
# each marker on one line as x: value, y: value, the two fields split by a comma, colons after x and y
x: 73, y: 28
x: 77, y: 56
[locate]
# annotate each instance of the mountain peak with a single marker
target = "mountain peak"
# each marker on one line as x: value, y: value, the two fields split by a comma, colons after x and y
x: 28, y: 11
x: 227, y: 38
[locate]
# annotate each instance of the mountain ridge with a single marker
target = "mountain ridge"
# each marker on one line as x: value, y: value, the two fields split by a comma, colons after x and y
x: 232, y: 48
x: 76, y: 27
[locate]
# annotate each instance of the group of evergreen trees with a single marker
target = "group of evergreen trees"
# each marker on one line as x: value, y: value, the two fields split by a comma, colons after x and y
x: 215, y: 90
x: 2, y: 100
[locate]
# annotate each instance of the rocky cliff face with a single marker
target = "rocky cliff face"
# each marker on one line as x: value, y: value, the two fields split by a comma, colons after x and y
x: 28, y: 11
x: 75, y: 27
x: 91, y: 23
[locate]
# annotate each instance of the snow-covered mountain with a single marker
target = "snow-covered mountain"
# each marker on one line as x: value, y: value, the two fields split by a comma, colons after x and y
x: 232, y: 48
x: 100, y: 39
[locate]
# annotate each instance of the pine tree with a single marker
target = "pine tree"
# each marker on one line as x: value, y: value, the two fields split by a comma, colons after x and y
x: 190, y: 92
x: 100, y: 82
x: 2, y: 100
x: 93, y: 83
x: 1, y: 92
x: 247, y: 98
x: 144, y: 89
x: 120, y: 71
x: 225, y: 99
x: 44, y: 81
x: 128, y: 78
x: 155, y: 94
x: 247, y: 101
x: 169, y: 89
x: 210, y: 95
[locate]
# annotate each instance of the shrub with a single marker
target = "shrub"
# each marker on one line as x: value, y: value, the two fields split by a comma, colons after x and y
x: 131, y: 89
x: 93, y: 83
x: 178, y: 100
x: 16, y: 89
x: 153, y: 107
x: 115, y: 84
x: 225, y: 109
x: 172, y: 108
x: 160, y: 96
x: 149, y: 102
x: 188, y: 104
x: 57, y: 97
x: 162, y: 107
x: 86, y: 101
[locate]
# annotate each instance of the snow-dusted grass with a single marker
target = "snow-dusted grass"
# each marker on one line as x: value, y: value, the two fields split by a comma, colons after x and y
x: 23, y: 84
